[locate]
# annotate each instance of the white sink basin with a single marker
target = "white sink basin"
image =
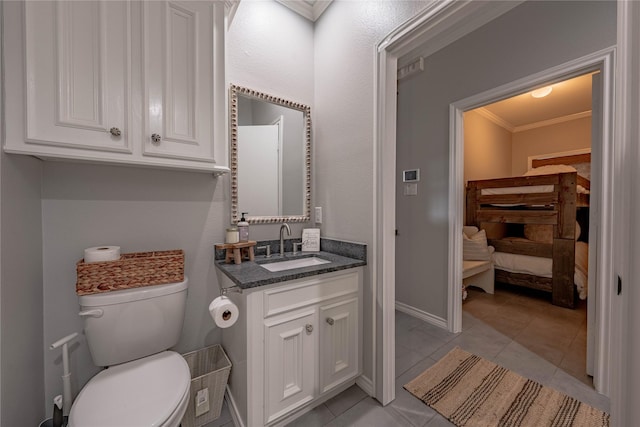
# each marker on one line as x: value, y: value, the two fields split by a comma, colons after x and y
x: 294, y: 263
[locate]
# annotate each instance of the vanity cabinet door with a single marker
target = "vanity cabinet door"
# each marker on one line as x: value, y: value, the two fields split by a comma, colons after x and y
x: 77, y: 62
x: 339, y: 343
x: 290, y: 362
x: 181, y: 100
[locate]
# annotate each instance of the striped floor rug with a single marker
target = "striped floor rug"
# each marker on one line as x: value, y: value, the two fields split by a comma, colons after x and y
x: 471, y: 391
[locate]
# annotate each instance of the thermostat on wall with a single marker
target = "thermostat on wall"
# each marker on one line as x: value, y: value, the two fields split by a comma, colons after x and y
x: 411, y: 175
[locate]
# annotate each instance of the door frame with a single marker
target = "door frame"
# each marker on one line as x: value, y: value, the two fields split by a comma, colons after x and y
x: 438, y: 24
x: 601, y: 201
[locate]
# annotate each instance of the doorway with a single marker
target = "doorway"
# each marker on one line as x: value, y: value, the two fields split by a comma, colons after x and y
x: 548, y: 130
x: 600, y: 230
x: 399, y: 43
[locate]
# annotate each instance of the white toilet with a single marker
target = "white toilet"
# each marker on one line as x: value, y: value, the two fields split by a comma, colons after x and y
x: 130, y: 331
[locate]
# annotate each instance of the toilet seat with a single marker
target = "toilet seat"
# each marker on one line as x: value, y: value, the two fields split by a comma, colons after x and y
x: 150, y: 392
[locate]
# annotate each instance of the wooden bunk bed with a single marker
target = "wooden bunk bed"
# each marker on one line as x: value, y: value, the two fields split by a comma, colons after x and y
x: 556, y: 208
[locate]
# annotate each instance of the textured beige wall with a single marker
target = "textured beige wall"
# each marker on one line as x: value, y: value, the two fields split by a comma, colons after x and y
x: 487, y: 148
x: 567, y: 136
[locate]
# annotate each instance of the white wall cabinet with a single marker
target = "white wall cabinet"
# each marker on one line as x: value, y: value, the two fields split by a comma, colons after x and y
x: 118, y: 82
x: 295, y: 345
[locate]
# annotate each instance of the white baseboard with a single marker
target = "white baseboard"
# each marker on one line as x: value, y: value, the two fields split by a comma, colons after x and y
x: 422, y: 315
x: 365, y: 384
x: 233, y: 409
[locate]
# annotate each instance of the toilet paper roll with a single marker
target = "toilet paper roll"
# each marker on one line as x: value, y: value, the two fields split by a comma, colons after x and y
x: 102, y: 253
x: 224, y: 312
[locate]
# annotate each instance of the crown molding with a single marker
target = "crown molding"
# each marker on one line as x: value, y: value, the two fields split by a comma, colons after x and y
x: 230, y: 7
x: 495, y: 119
x: 311, y: 11
x: 553, y: 121
x: 514, y: 129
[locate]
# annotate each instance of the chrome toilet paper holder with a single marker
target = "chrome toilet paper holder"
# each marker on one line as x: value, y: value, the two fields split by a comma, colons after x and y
x: 234, y: 288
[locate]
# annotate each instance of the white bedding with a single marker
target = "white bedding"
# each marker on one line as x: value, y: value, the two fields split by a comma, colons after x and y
x: 537, y: 266
x: 543, y: 170
x: 526, y: 190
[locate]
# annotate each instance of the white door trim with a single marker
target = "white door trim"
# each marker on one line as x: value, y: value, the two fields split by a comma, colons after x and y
x: 624, y: 369
x: 602, y: 204
x: 436, y: 26
x: 279, y: 121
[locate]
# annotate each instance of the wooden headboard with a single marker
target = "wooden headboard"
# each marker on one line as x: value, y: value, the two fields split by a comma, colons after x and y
x: 562, y: 160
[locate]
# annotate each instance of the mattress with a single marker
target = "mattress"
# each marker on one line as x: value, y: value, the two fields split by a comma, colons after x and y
x: 542, y: 267
x: 526, y: 190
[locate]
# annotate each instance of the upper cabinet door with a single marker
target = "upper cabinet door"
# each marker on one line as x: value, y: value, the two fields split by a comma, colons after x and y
x: 77, y: 74
x: 120, y: 82
x: 180, y: 77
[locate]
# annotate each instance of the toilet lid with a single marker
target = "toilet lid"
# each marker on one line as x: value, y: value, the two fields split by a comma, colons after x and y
x: 144, y: 392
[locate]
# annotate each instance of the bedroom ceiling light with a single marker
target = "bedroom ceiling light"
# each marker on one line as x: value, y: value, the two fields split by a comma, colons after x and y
x: 542, y: 92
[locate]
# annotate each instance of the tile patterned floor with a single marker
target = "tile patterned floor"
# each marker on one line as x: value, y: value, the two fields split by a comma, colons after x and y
x: 419, y: 345
x: 558, y: 335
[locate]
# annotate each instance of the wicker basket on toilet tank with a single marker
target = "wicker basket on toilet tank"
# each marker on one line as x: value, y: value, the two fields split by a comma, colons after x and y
x: 132, y: 270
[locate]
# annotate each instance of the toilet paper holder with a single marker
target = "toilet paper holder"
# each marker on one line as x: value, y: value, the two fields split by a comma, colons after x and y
x: 235, y: 288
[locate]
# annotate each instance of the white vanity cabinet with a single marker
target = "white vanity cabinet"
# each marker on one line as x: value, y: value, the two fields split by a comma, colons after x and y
x: 117, y: 81
x: 338, y: 324
x: 296, y: 344
x: 290, y: 358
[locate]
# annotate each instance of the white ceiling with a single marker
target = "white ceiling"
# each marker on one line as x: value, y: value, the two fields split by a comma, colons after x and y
x: 569, y: 99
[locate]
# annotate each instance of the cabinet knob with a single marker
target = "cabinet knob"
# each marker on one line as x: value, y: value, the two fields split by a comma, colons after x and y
x: 309, y: 328
x: 330, y: 321
x: 156, y: 138
x: 115, y: 131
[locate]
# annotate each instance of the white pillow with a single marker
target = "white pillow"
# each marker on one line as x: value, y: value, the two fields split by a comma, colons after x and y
x: 475, y: 248
x: 469, y: 230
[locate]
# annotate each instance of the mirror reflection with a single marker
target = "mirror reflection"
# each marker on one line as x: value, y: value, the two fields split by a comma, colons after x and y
x: 270, y: 157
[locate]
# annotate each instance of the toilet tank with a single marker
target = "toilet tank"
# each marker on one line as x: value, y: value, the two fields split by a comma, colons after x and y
x: 121, y: 326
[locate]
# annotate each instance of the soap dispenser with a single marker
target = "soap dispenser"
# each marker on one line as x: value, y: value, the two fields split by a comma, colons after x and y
x: 243, y: 228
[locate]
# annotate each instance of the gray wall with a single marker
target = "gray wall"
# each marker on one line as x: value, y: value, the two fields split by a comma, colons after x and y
x: 145, y: 209
x: 345, y: 37
x: 530, y: 38
x: 21, y: 313
x: 270, y: 49
x: 139, y: 210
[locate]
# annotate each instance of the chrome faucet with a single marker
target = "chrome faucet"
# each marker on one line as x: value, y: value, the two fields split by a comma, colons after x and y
x: 283, y: 227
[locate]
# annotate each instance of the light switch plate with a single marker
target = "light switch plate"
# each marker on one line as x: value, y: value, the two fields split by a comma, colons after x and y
x: 411, y: 189
x: 318, y: 215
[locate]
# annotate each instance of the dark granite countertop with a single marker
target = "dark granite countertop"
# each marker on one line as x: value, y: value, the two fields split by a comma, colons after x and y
x: 249, y: 274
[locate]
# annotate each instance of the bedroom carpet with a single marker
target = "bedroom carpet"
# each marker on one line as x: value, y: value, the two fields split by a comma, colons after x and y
x: 469, y: 390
